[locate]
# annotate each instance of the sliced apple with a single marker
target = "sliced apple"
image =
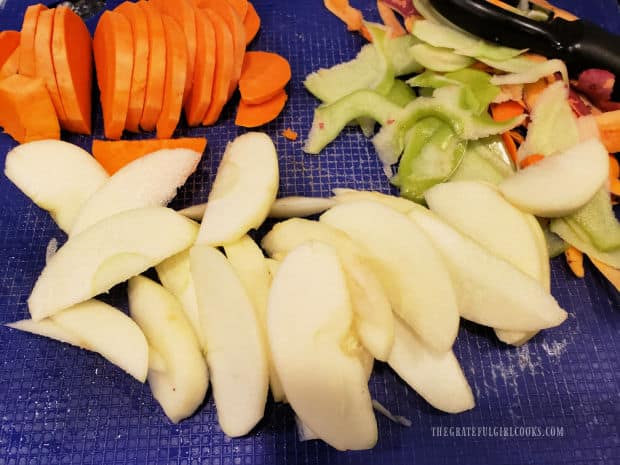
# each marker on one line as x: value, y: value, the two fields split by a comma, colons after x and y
x: 156, y: 361
x: 436, y: 376
x: 57, y: 176
x: 236, y: 354
x: 342, y: 195
x: 149, y: 181
x: 309, y: 318
x: 245, y: 186
x: 291, y: 207
x: 114, y: 250
x: 181, y: 388
x: 249, y: 263
x: 559, y: 184
x: 372, y: 312
x: 175, y: 275
x: 479, y: 211
x: 490, y: 291
x: 411, y: 271
x: 273, y: 266
x: 98, y: 327
x: 518, y: 338
x: 284, y: 207
x: 48, y: 328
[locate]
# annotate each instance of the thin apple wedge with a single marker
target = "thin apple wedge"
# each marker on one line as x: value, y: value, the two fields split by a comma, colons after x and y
x: 411, y: 271
x: 309, y: 317
x: 436, y: 376
x: 59, y: 177
x: 149, y: 181
x: 372, y: 313
x: 98, y: 327
x: 175, y: 275
x: 559, y: 184
x: 284, y: 207
x: 108, y: 253
x: 245, y: 186
x: 181, y: 388
x: 49, y: 328
x: 479, y: 211
x: 236, y: 354
x: 249, y: 263
x: 490, y: 291
x: 400, y: 204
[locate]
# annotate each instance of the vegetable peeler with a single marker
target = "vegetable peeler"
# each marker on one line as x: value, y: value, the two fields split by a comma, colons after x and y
x: 580, y: 44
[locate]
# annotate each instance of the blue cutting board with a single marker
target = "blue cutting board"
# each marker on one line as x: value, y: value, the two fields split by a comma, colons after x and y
x: 63, y: 405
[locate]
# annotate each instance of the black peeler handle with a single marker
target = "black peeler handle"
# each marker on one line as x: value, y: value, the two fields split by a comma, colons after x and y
x: 591, y: 47
x: 581, y: 44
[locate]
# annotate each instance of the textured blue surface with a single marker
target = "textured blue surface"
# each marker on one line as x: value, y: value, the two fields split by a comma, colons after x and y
x: 59, y: 404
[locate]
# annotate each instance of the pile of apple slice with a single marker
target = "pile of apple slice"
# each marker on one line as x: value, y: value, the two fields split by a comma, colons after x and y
x: 376, y: 277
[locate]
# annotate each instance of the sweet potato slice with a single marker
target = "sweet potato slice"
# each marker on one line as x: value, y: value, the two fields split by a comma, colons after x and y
x: 224, y: 67
x: 26, y: 40
x: 44, y: 65
x: 183, y: 12
x: 72, y: 56
x: 27, y: 110
x: 609, y: 128
x: 235, y: 25
x: 264, y: 75
x: 240, y: 6
x: 113, y: 155
x: 204, y: 70
x: 9, y: 41
x: 251, y: 23
x: 141, y: 49
x: 156, y: 74
x: 11, y: 65
x: 176, y: 67
x: 114, y: 61
x: 251, y: 116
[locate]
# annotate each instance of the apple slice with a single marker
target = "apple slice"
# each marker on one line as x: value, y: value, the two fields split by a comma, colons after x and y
x: 182, y: 387
x: 518, y: 338
x: 412, y: 272
x: 490, y: 290
x: 284, y: 207
x: 309, y: 317
x: 156, y: 360
x: 49, y: 328
x: 559, y: 184
x: 272, y: 266
x: 479, y: 211
x: 112, y: 251
x: 291, y: 207
x: 149, y: 181
x: 436, y: 376
x: 236, y: 355
x: 402, y: 205
x: 59, y: 177
x: 175, y: 275
x: 99, y: 327
x: 249, y: 263
x: 372, y: 312
x: 245, y: 186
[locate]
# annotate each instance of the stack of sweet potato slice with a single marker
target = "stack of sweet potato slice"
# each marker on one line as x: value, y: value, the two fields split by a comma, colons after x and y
x: 158, y: 59
x: 155, y: 59
x: 46, y: 75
